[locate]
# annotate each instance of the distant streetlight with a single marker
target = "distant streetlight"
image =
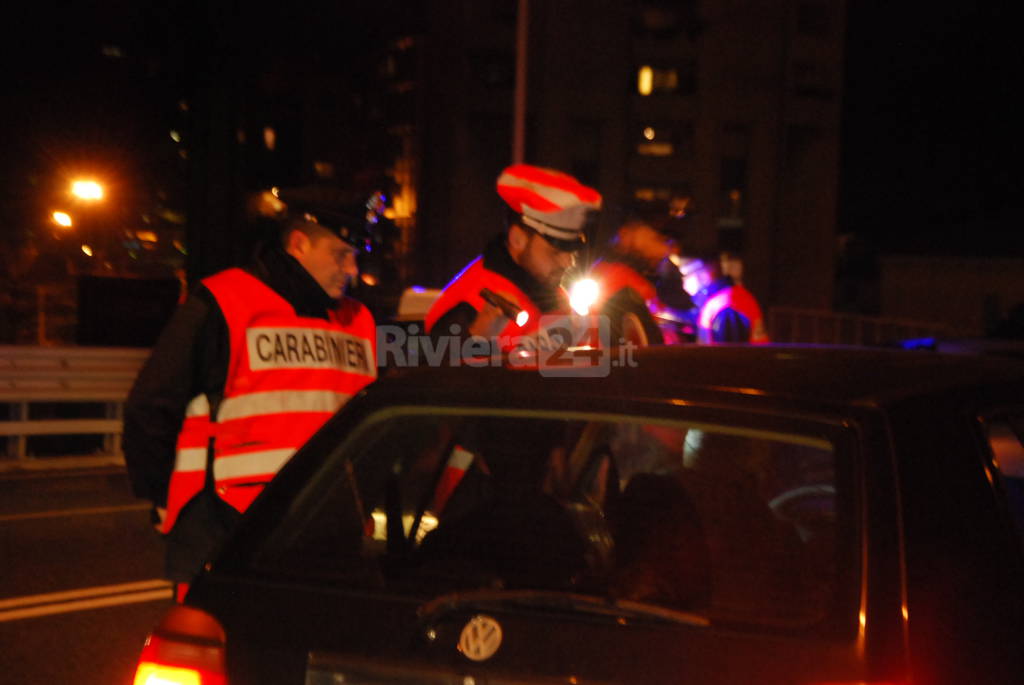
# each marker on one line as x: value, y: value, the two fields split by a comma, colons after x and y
x: 87, y: 190
x: 62, y: 219
x: 97, y: 241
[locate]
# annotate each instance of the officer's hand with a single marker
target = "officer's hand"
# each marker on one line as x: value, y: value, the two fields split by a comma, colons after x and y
x: 157, y: 516
x: 490, y: 320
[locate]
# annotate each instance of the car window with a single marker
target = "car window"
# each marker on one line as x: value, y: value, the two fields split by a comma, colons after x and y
x: 740, y: 525
x: 1005, y: 435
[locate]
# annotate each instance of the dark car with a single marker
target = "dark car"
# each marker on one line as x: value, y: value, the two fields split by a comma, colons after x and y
x: 766, y: 514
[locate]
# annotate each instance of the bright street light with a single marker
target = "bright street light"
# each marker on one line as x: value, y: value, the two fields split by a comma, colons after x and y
x: 62, y: 219
x: 87, y: 190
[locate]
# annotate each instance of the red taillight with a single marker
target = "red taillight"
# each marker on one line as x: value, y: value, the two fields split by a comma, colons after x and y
x: 187, y: 648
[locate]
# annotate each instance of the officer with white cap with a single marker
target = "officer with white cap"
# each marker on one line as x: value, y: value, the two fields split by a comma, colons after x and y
x: 548, y: 213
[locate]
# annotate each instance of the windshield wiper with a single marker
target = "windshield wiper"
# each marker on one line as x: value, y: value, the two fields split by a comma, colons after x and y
x: 440, y: 606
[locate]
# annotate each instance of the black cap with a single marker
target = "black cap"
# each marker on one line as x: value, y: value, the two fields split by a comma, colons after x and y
x: 350, y: 227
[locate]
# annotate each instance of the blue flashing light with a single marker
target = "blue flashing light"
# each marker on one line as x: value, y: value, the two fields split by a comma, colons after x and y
x: 918, y: 344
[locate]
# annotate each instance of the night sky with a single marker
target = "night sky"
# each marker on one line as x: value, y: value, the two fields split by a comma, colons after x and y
x: 931, y: 130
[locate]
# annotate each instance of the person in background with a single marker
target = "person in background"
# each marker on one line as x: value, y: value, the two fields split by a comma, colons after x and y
x: 547, y: 214
x: 726, y: 311
x: 248, y: 368
x: 632, y: 284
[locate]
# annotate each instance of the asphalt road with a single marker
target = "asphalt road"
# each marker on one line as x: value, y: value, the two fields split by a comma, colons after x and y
x: 80, y: 578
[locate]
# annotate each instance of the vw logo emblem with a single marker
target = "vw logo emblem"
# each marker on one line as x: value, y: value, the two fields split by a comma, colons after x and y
x: 480, y: 638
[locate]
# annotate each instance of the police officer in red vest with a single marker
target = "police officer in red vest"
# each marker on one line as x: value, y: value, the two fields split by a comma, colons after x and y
x: 726, y: 311
x: 249, y: 367
x: 630, y: 288
x: 548, y: 212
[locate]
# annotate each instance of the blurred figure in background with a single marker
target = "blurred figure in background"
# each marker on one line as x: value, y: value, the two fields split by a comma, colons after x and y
x: 632, y: 282
x: 726, y: 311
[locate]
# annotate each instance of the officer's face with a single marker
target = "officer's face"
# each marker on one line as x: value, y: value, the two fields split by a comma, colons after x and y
x: 544, y: 261
x: 331, y: 262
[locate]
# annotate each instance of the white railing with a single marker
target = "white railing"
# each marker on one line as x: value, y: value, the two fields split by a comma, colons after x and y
x: 40, y: 386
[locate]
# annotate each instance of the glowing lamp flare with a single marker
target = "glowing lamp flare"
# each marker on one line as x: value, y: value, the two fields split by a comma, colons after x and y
x: 509, y: 309
x: 62, y: 219
x: 583, y: 294
x: 87, y: 190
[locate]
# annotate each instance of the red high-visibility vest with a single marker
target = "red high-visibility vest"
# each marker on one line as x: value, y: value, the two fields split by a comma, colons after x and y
x: 287, y: 374
x: 466, y: 286
x: 614, y: 276
x: 734, y: 297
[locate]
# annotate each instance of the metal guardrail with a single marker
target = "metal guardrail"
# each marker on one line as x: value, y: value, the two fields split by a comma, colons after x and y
x: 44, y: 389
x: 790, y: 324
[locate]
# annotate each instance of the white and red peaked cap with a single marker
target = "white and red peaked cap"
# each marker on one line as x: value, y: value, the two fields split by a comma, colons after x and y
x: 550, y: 202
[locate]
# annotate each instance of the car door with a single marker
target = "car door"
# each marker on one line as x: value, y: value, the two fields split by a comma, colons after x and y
x: 623, y: 544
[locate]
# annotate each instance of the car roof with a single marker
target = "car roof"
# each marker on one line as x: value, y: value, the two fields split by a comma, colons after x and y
x: 820, y: 374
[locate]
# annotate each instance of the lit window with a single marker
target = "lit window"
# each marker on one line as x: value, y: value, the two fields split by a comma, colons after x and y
x: 655, y: 149
x: 677, y: 199
x: 653, y: 80
x: 664, y: 139
x: 645, y: 81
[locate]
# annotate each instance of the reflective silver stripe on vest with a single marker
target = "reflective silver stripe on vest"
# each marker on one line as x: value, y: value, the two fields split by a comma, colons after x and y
x: 199, y: 406
x: 280, y: 401
x: 265, y: 463
x: 190, y: 459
